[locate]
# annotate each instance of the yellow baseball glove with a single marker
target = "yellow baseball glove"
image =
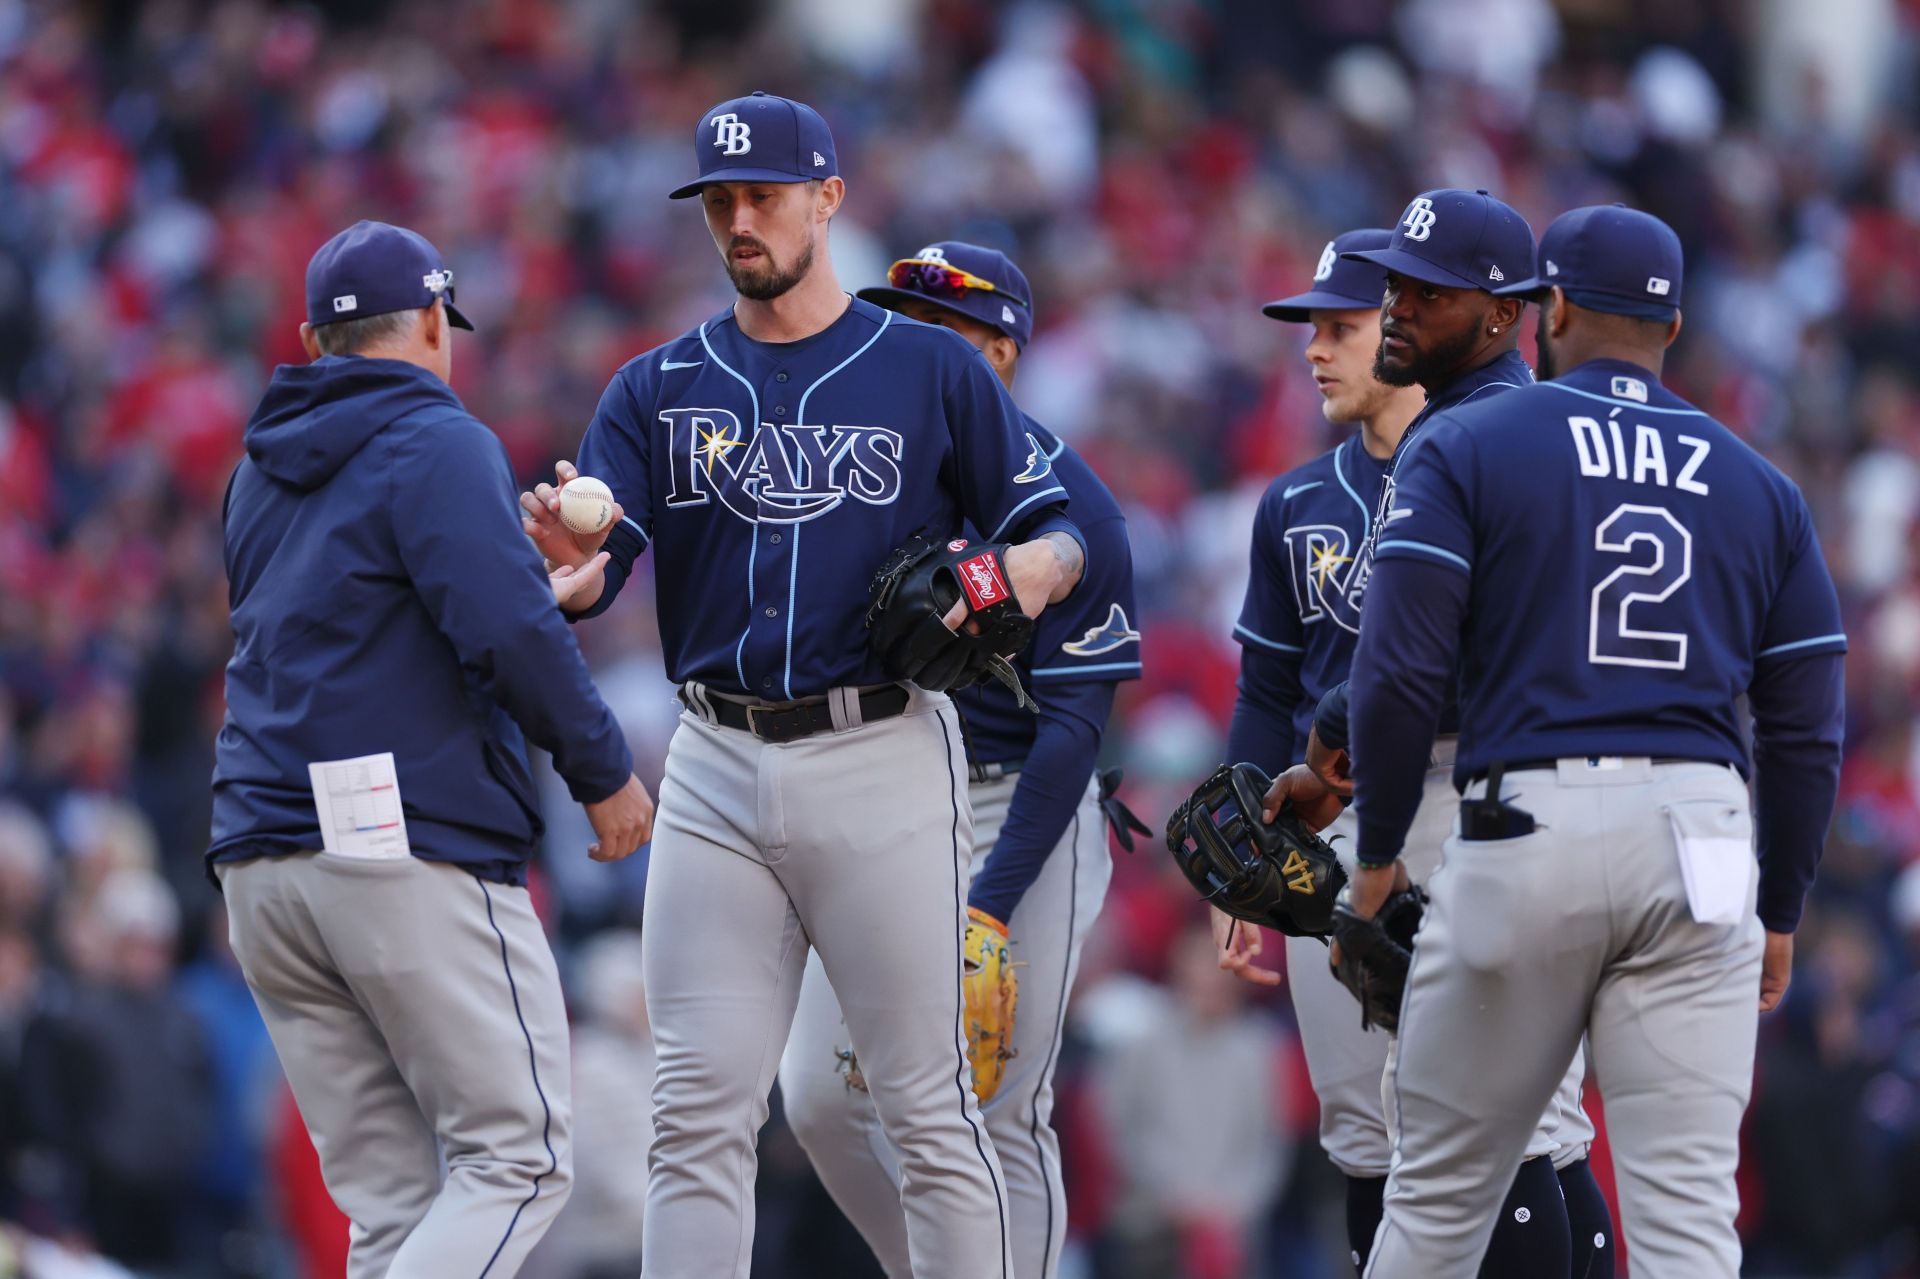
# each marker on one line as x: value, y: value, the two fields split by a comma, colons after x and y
x: 991, y: 993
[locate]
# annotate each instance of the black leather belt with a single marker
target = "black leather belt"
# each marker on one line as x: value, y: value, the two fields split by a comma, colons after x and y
x: 1522, y: 765
x: 792, y: 721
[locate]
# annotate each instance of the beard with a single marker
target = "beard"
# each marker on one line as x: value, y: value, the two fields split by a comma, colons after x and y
x: 1545, y: 367
x: 765, y: 281
x: 1426, y: 367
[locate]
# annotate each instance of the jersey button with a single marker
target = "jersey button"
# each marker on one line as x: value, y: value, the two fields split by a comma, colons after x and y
x: 779, y: 377
x: 767, y: 682
x: 772, y: 611
x: 774, y: 538
x: 779, y: 410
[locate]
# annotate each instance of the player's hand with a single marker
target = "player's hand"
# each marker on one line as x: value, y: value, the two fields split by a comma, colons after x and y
x: 623, y: 821
x: 1044, y: 571
x: 1367, y: 891
x: 1776, y: 970
x: 569, y: 582
x: 1237, y: 943
x: 540, y: 517
x: 1302, y: 790
x: 1334, y: 767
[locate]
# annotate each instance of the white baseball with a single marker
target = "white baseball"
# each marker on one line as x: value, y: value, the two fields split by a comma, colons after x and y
x: 586, y: 505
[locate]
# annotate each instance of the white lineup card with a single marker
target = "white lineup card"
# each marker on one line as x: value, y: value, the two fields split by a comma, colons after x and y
x: 1718, y: 871
x: 359, y: 805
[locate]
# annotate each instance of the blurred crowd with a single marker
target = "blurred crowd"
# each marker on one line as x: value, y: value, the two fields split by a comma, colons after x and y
x: 1160, y: 168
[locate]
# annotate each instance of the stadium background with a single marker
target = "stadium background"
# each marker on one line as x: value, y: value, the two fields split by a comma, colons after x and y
x: 1160, y: 167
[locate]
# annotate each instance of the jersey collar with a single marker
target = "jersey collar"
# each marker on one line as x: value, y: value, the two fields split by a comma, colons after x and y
x: 1509, y: 368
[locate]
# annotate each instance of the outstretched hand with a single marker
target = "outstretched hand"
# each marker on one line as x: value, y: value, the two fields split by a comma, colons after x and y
x: 540, y: 517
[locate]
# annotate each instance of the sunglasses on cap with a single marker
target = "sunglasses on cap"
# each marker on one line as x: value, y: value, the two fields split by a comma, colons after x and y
x: 941, y: 280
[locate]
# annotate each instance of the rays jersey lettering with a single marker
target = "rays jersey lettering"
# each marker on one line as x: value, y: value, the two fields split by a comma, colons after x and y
x: 1323, y: 562
x: 773, y: 479
x: 785, y: 473
x: 1302, y: 608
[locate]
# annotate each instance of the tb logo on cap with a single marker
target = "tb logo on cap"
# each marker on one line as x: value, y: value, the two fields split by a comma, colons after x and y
x: 1327, y: 259
x: 732, y: 134
x: 933, y: 253
x: 1420, y: 218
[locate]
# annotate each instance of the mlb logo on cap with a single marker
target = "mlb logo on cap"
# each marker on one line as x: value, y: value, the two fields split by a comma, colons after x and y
x: 760, y: 138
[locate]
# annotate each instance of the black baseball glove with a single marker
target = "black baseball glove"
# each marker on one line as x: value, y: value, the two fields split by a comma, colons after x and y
x: 912, y: 594
x: 1278, y: 874
x: 1376, y: 953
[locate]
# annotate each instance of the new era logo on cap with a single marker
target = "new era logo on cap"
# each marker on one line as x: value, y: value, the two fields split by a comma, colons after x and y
x: 819, y: 161
x: 1007, y: 316
x: 1553, y: 268
x: 1495, y: 273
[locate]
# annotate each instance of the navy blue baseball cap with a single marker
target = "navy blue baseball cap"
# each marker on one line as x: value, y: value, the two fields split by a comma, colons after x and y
x: 1608, y: 258
x: 760, y: 138
x: 372, y: 268
x: 1460, y: 239
x: 980, y: 283
x: 1339, y: 283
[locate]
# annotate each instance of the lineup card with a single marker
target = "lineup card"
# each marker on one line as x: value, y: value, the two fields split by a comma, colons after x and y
x: 359, y: 805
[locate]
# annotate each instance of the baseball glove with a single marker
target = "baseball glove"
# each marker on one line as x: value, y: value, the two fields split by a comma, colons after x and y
x: 992, y: 993
x: 1279, y: 874
x: 912, y: 594
x: 1376, y: 953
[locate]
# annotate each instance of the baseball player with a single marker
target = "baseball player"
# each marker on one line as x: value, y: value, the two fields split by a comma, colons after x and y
x: 1609, y: 570
x: 372, y: 809
x: 772, y: 456
x: 1436, y: 331
x: 1040, y: 860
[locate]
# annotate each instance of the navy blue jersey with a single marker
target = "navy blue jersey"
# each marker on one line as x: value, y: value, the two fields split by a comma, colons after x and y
x: 1503, y: 373
x: 1087, y: 637
x: 772, y: 479
x: 1301, y: 615
x: 1630, y: 563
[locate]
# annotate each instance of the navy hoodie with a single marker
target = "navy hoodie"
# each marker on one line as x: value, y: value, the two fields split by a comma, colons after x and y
x: 384, y: 598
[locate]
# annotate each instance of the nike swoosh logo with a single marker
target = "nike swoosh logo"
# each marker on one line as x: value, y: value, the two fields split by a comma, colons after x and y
x: 668, y: 366
x: 1300, y: 488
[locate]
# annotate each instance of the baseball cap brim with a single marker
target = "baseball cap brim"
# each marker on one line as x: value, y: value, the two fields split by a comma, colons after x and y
x: 1401, y: 262
x: 456, y: 319
x: 1536, y: 290
x: 1294, y: 310
x: 733, y: 175
x: 1531, y: 289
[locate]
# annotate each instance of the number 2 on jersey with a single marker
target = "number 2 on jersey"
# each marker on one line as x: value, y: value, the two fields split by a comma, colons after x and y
x: 1640, y: 532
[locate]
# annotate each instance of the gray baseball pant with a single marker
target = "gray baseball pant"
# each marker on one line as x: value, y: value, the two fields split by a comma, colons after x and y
x: 1581, y: 927
x: 837, y: 1124
x: 856, y: 841
x: 419, y: 1019
x: 1347, y: 1065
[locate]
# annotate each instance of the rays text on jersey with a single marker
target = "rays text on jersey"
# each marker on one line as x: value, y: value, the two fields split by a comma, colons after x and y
x: 783, y: 473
